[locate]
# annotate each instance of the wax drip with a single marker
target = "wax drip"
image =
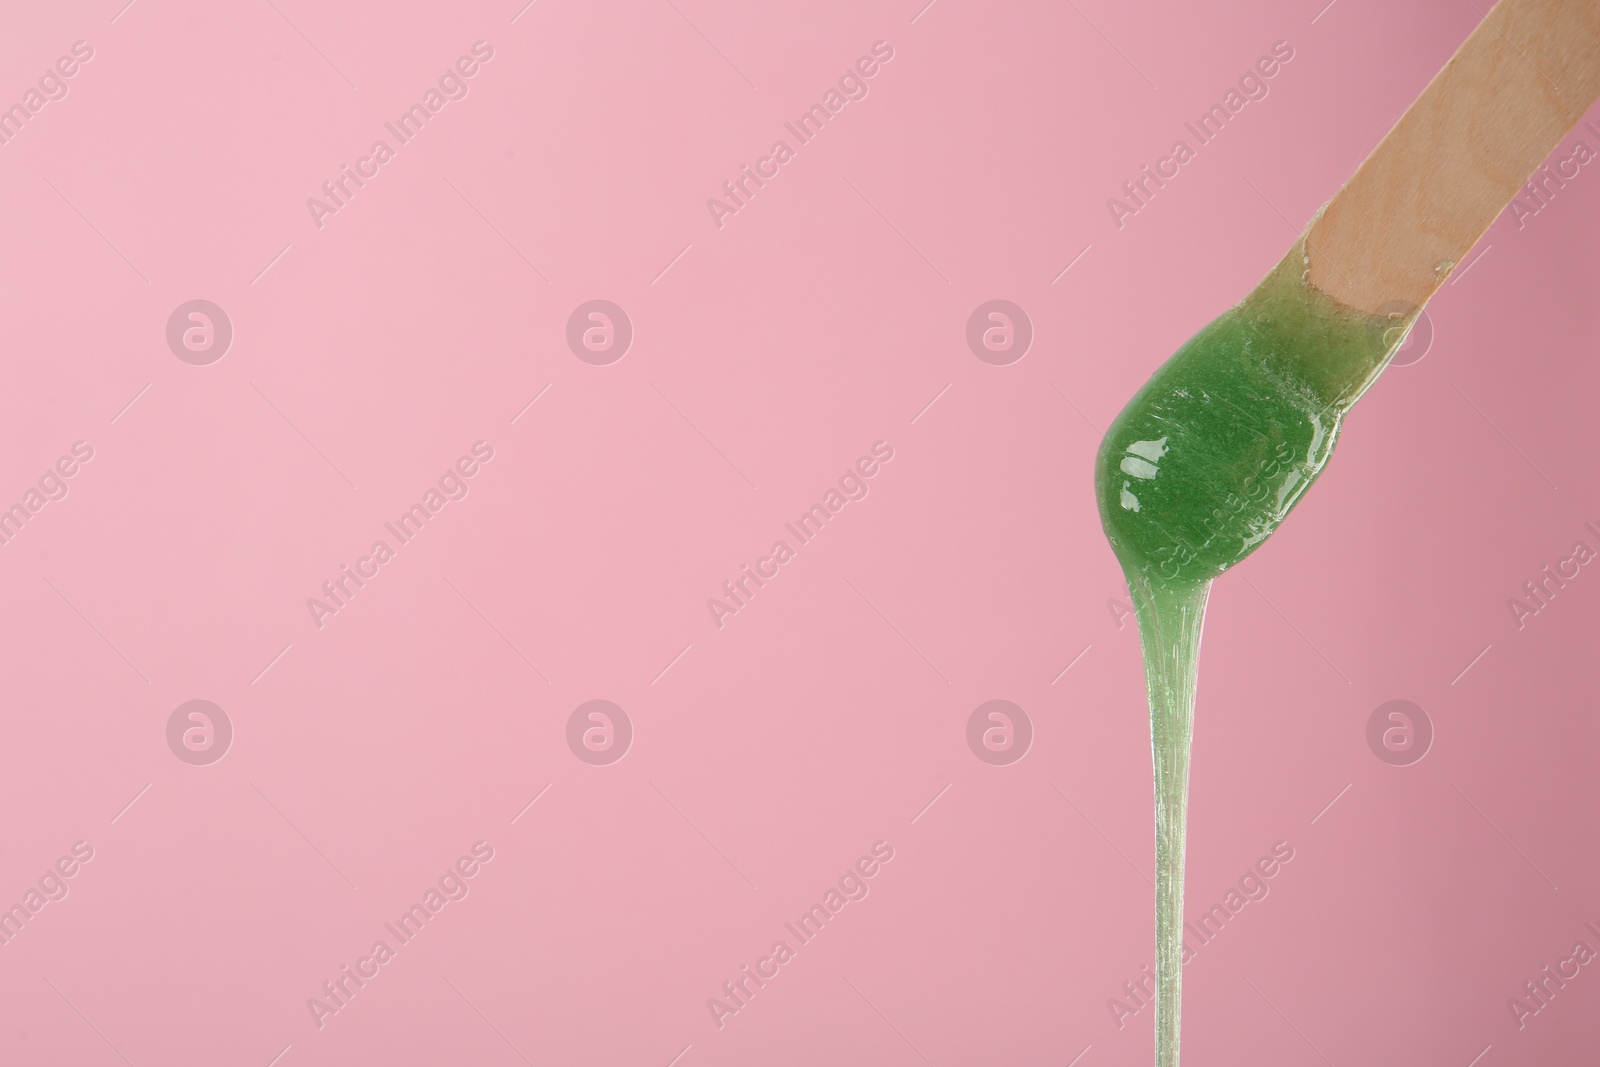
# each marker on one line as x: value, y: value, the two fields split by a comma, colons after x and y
x: 1199, y: 469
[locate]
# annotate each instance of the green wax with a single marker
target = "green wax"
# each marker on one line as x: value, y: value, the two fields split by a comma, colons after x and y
x: 1195, y: 473
x: 1209, y: 456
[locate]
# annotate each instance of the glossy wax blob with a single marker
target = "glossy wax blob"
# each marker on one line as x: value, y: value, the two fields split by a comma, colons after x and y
x: 1198, y: 470
x: 1212, y: 453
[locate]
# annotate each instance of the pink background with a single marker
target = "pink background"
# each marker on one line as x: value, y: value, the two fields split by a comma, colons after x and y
x: 827, y: 714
